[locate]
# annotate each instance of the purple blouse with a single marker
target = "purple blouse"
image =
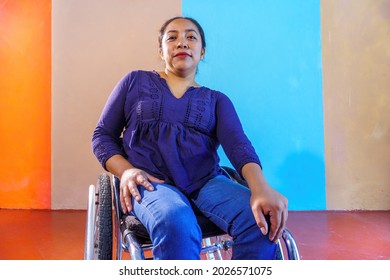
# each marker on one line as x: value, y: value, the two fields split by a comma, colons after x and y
x: 174, y: 139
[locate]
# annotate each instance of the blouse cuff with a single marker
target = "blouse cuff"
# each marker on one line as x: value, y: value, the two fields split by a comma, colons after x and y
x: 242, y: 154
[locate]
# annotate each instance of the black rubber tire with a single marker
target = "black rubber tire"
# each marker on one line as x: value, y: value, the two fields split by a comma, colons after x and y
x: 104, y: 220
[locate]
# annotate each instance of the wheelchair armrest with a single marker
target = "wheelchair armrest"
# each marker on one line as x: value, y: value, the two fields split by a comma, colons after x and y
x: 234, y: 175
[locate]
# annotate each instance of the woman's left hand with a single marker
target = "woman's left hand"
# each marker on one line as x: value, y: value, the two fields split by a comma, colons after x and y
x: 267, y: 201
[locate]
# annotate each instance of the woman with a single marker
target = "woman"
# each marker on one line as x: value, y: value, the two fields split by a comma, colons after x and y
x: 168, y: 163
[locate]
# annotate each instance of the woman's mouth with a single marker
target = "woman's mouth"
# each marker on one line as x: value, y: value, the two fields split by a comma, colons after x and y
x: 182, y: 54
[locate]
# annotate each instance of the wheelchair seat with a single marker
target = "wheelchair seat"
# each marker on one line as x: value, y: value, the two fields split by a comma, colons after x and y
x: 132, y: 237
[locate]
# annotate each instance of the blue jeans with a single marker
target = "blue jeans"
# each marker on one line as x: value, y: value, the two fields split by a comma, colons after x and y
x: 169, y: 217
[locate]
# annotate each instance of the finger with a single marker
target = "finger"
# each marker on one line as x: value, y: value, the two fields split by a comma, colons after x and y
x: 275, y: 219
x: 129, y: 204
x: 273, y: 226
x: 279, y: 233
x: 123, y: 193
x: 281, y: 223
x: 260, y: 221
x: 143, y: 181
x: 284, y: 222
x: 133, y: 189
x: 123, y: 205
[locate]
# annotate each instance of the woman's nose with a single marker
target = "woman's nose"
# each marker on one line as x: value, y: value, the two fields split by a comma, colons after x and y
x: 182, y: 44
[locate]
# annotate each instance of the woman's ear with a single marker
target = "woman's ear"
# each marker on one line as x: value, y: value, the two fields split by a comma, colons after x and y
x: 202, y: 53
x: 160, y: 52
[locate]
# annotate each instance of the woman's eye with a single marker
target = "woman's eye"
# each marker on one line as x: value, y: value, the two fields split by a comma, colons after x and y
x: 170, y: 38
x: 191, y: 37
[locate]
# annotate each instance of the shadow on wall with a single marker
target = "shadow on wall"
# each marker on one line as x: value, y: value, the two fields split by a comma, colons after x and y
x: 303, y: 176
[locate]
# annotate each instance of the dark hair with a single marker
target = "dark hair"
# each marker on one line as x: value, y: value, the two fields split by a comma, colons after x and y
x: 164, y: 27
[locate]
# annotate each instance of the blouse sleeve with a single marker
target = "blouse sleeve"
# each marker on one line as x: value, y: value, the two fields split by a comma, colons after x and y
x: 231, y: 135
x: 106, y: 139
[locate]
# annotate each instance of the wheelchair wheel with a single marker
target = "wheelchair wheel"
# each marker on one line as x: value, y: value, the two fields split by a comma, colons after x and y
x: 99, y: 232
x: 104, y: 219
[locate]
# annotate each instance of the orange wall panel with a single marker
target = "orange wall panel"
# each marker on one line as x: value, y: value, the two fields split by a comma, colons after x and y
x: 25, y: 104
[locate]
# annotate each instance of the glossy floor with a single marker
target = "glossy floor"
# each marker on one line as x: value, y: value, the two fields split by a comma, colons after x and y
x: 320, y: 235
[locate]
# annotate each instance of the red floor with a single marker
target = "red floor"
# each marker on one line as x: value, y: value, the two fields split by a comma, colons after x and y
x: 320, y: 235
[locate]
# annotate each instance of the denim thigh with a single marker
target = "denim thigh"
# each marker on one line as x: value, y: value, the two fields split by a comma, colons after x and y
x: 170, y: 221
x: 227, y: 204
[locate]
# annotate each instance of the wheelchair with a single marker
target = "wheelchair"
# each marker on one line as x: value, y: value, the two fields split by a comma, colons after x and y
x: 107, y: 224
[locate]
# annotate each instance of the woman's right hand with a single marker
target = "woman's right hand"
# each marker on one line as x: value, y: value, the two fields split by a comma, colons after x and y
x: 130, y: 180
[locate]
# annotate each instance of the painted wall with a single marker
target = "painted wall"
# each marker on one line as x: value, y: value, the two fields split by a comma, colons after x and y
x: 314, y: 98
x: 356, y: 63
x: 25, y: 98
x: 94, y: 44
x: 266, y: 56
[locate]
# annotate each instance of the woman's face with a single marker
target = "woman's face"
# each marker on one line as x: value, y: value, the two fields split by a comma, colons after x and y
x: 181, y: 47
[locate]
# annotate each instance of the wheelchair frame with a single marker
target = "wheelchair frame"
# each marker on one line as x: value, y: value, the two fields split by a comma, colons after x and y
x: 105, y: 225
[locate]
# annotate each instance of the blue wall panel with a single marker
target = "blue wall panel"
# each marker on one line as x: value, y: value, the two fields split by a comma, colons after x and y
x: 266, y: 56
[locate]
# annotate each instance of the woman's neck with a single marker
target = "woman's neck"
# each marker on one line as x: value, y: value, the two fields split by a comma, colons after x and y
x: 178, y: 84
x: 177, y: 79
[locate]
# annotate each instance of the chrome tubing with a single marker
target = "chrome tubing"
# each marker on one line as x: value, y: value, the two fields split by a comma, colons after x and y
x: 89, y: 245
x: 117, y: 220
x: 280, y: 249
x: 134, y: 248
x: 291, y: 246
